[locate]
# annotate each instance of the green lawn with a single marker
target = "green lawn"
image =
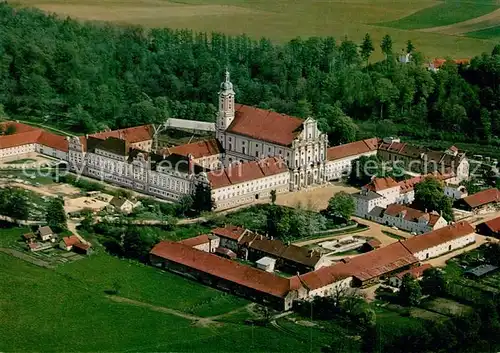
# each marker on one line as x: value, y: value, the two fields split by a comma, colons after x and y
x: 487, y: 33
x: 392, y: 235
x: 66, y: 310
x: 21, y: 161
x: 43, y: 176
x: 444, y: 14
x: 10, y: 236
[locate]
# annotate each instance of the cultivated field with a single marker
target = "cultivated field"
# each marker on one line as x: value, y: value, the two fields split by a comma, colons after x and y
x: 428, y: 23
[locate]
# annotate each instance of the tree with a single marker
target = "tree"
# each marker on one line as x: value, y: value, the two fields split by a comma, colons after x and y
x: 55, y: 215
x: 273, y: 196
x: 385, y: 92
x: 429, y: 195
x: 342, y: 130
x: 471, y: 186
x: 14, y: 203
x: 202, y: 199
x: 386, y: 45
x: 138, y: 242
x: 409, y: 47
x: 10, y: 130
x: 410, y: 292
x: 366, y: 48
x: 433, y: 282
x: 496, y: 50
x: 184, y: 204
x: 88, y: 219
x: 341, y: 205
x: 363, y: 169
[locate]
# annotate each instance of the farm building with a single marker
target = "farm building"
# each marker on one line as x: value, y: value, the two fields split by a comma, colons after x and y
x: 441, y: 241
x: 479, y: 200
x: 204, y: 242
x: 378, y: 264
x: 326, y: 281
x: 46, y: 234
x: 416, y: 272
x: 227, y: 275
x: 489, y: 228
x: 67, y: 242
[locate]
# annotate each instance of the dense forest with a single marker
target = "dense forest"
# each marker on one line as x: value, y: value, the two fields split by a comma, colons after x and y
x: 85, y: 77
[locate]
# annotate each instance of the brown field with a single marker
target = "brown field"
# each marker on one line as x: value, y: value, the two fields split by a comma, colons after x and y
x: 280, y: 20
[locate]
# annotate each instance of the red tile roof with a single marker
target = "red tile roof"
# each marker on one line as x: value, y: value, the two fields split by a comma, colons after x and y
x: 437, y: 237
x: 415, y: 272
x: 57, y: 142
x: 352, y: 149
x: 19, y: 139
x: 195, y: 241
x: 265, y: 125
x: 374, y: 243
x: 131, y: 135
x: 232, y: 271
x: 71, y: 240
x: 243, y: 172
x: 325, y: 276
x: 438, y: 62
x: 197, y: 149
x: 482, y: 198
x: 379, y: 262
x: 411, y: 214
x: 19, y: 127
x: 378, y: 184
x: 82, y: 246
x: 493, y: 224
x: 231, y: 232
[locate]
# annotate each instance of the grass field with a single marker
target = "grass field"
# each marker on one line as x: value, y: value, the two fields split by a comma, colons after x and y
x: 444, y: 14
x: 67, y: 310
x: 285, y: 19
x: 488, y: 33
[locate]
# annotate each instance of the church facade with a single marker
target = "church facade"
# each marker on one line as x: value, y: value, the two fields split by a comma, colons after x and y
x: 248, y: 134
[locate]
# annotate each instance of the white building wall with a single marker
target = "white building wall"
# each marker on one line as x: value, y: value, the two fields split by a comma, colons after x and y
x: 445, y: 247
x: 14, y: 151
x: 331, y: 288
x: 335, y: 169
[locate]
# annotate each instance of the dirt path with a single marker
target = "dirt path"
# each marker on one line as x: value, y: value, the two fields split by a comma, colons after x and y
x: 202, y: 321
x: 489, y: 20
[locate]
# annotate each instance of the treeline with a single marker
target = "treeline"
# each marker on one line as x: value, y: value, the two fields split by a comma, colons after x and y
x: 86, y: 77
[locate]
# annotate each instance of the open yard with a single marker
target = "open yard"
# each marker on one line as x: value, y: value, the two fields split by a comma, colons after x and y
x: 285, y: 19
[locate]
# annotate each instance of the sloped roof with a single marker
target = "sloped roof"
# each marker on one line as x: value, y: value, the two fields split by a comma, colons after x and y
x: 229, y: 231
x: 493, y: 224
x: 351, y: 149
x: 437, y: 237
x: 118, y: 201
x: 198, y: 149
x: 232, y: 271
x: 45, y: 230
x: 379, y: 184
x: 195, y: 241
x: 438, y: 62
x: 71, y: 240
x: 131, y: 135
x: 415, y: 272
x: 265, y: 125
x: 57, y: 142
x: 482, y: 198
x: 114, y: 145
x: 19, y: 128
x: 379, y: 262
x: 243, y: 172
x: 19, y: 139
x: 325, y: 276
x: 411, y: 214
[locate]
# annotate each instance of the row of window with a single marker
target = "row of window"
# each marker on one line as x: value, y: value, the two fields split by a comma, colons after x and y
x: 245, y: 191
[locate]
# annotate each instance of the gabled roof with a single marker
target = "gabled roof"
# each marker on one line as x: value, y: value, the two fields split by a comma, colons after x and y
x: 352, y: 149
x: 493, y: 224
x: 265, y: 125
x: 379, y: 184
x: 131, y: 135
x: 231, y: 232
x: 71, y: 240
x: 114, y: 145
x: 437, y: 237
x: 325, y: 275
x: 198, y: 149
x: 45, y: 230
x: 195, y: 241
x: 57, y: 142
x: 482, y: 198
x: 411, y: 214
x: 232, y: 271
x: 118, y: 201
x: 243, y: 172
x: 415, y: 272
x: 379, y: 262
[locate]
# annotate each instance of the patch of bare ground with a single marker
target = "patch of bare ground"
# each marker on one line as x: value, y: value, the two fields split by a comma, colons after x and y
x: 460, y: 28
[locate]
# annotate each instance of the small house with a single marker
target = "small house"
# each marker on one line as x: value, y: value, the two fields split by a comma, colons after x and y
x: 29, y: 238
x: 67, y: 243
x: 123, y: 205
x: 46, y: 234
x: 82, y: 248
x: 415, y: 272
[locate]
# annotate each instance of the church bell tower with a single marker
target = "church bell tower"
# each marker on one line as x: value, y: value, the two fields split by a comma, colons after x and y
x: 226, y: 104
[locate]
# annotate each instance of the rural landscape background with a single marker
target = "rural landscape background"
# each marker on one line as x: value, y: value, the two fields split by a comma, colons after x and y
x: 454, y: 28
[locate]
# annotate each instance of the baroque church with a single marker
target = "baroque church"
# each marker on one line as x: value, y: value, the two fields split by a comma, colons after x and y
x: 249, y: 133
